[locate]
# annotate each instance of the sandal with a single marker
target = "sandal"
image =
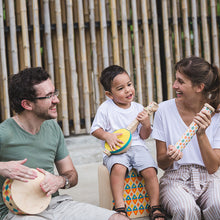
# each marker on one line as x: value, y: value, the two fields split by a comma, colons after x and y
x: 121, y: 210
x: 154, y: 215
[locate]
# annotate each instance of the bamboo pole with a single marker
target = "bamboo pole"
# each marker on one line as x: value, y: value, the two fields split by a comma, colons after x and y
x: 95, y: 74
x: 79, y: 70
x: 180, y: 29
x: 78, y: 62
x: 36, y: 32
x: 114, y: 28
x: 55, y: 55
x: 137, y: 52
x: 89, y: 58
x: 73, y: 74
x: 19, y: 36
x: 7, y: 14
x: 215, y: 43
x: 147, y: 51
x: 110, y: 45
x: 141, y: 52
x: 195, y: 28
x: 25, y: 38
x: 59, y: 30
x: 157, y: 52
x: 186, y: 28
x: 84, y: 65
x: 130, y: 44
x: 125, y: 36
x: 176, y: 32
x: 103, y: 26
x: 167, y: 49
x: 31, y: 33
x: 5, y: 103
x: 99, y: 49
x: 48, y: 39
x: 205, y: 31
x: 13, y: 37
x: 109, y: 34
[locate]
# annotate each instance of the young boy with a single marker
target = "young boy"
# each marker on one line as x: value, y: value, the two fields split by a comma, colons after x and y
x: 118, y: 112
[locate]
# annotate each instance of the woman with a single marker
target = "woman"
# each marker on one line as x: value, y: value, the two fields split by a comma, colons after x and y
x: 190, y: 186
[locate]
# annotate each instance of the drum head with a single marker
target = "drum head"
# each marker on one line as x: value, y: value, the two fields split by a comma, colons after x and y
x: 28, y: 196
x: 125, y: 137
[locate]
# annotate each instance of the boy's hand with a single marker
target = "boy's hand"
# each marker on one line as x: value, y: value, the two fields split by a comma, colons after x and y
x: 113, y: 141
x: 144, y: 119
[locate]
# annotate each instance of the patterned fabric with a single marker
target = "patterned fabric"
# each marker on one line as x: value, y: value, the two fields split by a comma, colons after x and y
x: 190, y: 190
x: 135, y: 195
x: 7, y: 197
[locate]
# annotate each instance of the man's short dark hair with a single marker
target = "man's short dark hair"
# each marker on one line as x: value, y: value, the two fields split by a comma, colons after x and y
x: 21, y: 86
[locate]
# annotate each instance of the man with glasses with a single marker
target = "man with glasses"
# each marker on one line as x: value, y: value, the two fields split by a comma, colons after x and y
x: 30, y: 139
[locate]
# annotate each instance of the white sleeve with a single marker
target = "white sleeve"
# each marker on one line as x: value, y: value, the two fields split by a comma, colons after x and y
x: 99, y: 120
x: 216, y: 131
x: 158, y: 130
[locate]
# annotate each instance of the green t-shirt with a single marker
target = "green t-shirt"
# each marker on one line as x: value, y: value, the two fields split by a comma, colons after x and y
x: 41, y: 149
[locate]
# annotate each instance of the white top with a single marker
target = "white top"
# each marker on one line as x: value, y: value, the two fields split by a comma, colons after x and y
x: 110, y: 117
x: 169, y: 127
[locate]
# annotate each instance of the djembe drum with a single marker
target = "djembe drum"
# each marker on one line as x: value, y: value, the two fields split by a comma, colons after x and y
x: 127, y: 133
x: 24, y: 198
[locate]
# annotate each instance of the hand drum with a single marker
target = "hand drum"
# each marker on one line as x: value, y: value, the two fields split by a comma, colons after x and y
x: 24, y: 198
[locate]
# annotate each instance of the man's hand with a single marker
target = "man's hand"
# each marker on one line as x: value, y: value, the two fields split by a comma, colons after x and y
x: 17, y: 171
x: 51, y: 183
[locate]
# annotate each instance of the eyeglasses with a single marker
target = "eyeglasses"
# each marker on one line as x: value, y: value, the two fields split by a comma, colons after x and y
x: 51, y: 96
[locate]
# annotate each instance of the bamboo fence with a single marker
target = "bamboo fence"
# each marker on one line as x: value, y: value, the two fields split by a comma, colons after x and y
x: 75, y: 40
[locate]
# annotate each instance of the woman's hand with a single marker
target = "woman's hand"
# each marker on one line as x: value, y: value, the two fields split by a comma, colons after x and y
x: 203, y: 120
x: 173, y: 153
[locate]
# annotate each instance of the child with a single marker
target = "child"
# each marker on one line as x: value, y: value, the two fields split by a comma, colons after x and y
x: 118, y: 112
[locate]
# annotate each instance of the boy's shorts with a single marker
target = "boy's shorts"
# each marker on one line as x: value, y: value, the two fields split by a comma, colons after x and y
x: 137, y: 157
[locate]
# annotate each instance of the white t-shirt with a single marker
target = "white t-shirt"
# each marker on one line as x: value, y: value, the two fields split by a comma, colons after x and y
x: 110, y: 117
x: 169, y: 127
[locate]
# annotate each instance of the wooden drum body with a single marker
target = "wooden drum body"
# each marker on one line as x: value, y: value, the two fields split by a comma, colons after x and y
x: 24, y: 198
